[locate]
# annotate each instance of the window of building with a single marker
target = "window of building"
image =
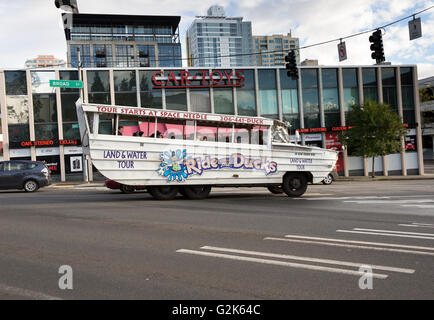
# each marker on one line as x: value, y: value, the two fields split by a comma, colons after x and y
x: 351, y: 91
x: 331, y: 97
x: 223, y: 101
x: 125, y: 88
x: 68, y: 98
x: 389, y: 87
x: 16, y: 83
x: 370, y: 85
x: 176, y: 99
x: 200, y: 100
x: 268, y: 93
x: 98, y: 84
x: 407, y: 95
x: 289, y: 95
x: 150, y: 97
x: 309, y: 82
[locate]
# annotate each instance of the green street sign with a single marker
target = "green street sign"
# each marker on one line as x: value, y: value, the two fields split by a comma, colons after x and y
x: 66, y: 84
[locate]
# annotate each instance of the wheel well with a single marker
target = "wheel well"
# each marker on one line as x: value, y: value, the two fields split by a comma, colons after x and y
x: 309, y: 175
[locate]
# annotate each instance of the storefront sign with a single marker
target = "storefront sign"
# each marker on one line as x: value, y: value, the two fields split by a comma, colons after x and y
x: 47, y: 152
x: 200, y: 79
x: 19, y: 153
x: 44, y: 143
x: 176, y: 114
x: 73, y: 150
x: 332, y: 142
x: 313, y: 137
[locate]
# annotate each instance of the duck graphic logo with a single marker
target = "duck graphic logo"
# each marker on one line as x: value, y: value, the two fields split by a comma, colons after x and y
x: 177, y: 167
x: 172, y: 165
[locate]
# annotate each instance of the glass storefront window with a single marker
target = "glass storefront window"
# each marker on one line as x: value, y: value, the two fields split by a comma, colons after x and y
x: 98, y: 83
x: 125, y: 88
x: 329, y: 78
x: 407, y: 98
x: 46, y: 132
x: 71, y: 131
x: 246, y: 102
x: 223, y: 101
x: 311, y: 121
x: 407, y: 76
x: 369, y: 76
x: 69, y: 112
x: 18, y: 109
x: 41, y: 81
x: 200, y: 100
x: 294, y: 120
x: 349, y: 77
x: 351, y: 97
x: 267, y: 79
x: 45, y: 108
x: 16, y: 83
x: 289, y: 101
x: 332, y: 119
x: 268, y: 104
x: 310, y: 100
x: 176, y: 99
x: 150, y: 97
x: 389, y: 87
x: 18, y: 133
x: 309, y: 78
x: 330, y: 100
x: 388, y: 76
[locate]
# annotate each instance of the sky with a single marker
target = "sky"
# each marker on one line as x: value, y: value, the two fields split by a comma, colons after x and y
x: 33, y: 27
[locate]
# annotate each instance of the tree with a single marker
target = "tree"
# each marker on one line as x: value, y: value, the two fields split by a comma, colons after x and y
x: 376, y: 131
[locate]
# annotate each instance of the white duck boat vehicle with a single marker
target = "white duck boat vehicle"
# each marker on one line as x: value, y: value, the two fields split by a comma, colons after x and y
x: 173, y: 152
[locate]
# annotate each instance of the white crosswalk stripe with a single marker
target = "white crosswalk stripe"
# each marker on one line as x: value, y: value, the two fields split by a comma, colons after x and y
x: 390, y: 233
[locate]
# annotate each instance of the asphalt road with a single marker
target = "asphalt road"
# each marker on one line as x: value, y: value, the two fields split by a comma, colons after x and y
x: 237, y: 244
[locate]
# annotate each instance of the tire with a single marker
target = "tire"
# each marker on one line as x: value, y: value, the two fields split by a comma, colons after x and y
x: 275, y: 189
x: 164, y: 193
x: 127, y: 189
x: 31, y: 186
x: 196, y: 192
x: 294, y: 184
x: 328, y: 180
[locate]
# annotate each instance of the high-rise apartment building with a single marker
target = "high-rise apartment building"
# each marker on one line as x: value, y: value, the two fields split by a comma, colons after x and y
x: 216, y: 40
x: 45, y: 61
x: 107, y: 40
x: 279, y: 43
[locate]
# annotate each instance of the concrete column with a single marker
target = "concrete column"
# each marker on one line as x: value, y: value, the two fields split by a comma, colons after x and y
x: 4, y: 112
x: 211, y: 93
x: 234, y: 97
x: 401, y: 115
x: 418, y: 122
x: 85, y: 87
x: 60, y: 130
x: 342, y: 111
x: 258, y: 108
x: 362, y: 101
x: 31, y: 115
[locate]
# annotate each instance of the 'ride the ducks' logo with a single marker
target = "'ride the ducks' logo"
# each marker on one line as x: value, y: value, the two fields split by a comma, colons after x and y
x: 177, y: 167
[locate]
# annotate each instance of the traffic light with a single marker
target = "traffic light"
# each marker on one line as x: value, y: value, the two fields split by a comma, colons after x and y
x: 291, y: 65
x: 377, y: 46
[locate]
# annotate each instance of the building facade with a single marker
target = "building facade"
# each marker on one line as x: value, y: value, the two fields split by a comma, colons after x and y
x: 123, y: 40
x: 427, y: 109
x: 45, y: 61
x: 40, y: 122
x: 216, y: 40
x: 280, y: 43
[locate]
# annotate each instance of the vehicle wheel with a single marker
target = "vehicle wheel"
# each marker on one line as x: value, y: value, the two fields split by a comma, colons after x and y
x: 275, y: 189
x: 31, y: 186
x: 196, y: 192
x: 328, y: 179
x: 294, y: 184
x: 127, y: 189
x: 164, y: 193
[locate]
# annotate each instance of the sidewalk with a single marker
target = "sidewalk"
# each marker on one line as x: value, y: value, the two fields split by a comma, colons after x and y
x: 427, y: 176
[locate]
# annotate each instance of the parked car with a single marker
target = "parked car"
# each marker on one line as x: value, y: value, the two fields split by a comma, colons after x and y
x: 111, y: 184
x: 27, y: 175
x: 330, y: 177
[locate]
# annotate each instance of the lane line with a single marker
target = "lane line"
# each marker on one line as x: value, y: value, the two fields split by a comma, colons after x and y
x: 398, y: 232
x: 281, y: 263
x: 365, y: 197
x: 14, y: 291
x: 414, y: 201
x: 386, y: 234
x: 362, y: 242
x: 330, y: 244
x: 326, y: 261
x: 421, y: 206
x: 423, y: 224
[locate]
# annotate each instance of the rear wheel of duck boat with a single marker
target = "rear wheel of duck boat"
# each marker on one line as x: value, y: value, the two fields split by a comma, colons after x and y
x: 294, y: 184
x: 196, y: 192
x: 163, y: 192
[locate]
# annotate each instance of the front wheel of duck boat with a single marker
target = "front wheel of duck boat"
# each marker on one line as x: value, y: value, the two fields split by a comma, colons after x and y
x: 196, y: 192
x: 294, y: 184
x: 163, y: 192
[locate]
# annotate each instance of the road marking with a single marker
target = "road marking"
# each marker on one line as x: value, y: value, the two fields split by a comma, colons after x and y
x: 417, y: 225
x: 351, y: 246
x: 386, y: 234
x: 63, y: 186
x: 26, y: 293
x: 413, y: 201
x: 362, y: 242
x: 282, y: 263
x: 399, y: 232
x: 326, y: 261
x: 365, y: 197
x: 421, y: 206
